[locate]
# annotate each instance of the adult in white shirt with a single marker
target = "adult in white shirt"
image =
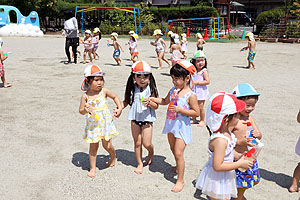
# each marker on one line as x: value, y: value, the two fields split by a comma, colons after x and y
x: 71, y: 32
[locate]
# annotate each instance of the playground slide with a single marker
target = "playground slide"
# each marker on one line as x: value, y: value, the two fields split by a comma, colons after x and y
x: 23, y: 26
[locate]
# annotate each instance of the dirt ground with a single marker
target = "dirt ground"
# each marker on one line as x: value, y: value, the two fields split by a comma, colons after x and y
x: 43, y: 155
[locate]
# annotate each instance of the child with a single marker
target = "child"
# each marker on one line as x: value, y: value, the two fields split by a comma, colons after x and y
x: 95, y: 40
x: 251, y: 177
x: 133, y: 48
x: 3, y: 56
x: 88, y: 46
x: 140, y: 85
x: 170, y: 34
x: 175, y: 50
x: 178, y: 127
x: 117, y: 47
x: 217, y: 178
x: 201, y: 80
x: 296, y: 176
x: 183, y: 43
x: 160, y: 48
x: 200, y: 41
x: 251, y: 46
x: 99, y: 122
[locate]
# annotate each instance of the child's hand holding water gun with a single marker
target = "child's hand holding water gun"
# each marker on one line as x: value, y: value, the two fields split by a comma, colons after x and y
x: 243, y: 49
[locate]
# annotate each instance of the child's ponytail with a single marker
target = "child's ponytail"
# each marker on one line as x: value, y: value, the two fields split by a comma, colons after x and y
x: 129, y: 92
x: 153, y: 88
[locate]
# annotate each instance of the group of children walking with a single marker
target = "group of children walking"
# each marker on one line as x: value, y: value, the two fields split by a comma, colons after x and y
x: 227, y: 119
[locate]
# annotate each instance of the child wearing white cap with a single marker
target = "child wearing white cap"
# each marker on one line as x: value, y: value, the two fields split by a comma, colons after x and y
x: 117, y: 46
x: 183, y: 44
x: 141, y: 85
x: 182, y: 105
x: 99, y: 122
x: 252, y: 52
x: 217, y: 178
x: 160, y: 48
x: 246, y: 124
x: 200, y: 41
x: 2, y: 72
x: 88, y: 45
x: 175, y: 49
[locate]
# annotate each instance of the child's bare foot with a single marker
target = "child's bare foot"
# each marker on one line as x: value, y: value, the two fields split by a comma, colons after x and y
x: 111, y: 162
x: 92, y: 173
x: 84, y: 62
x: 7, y: 85
x: 149, y: 159
x: 139, y: 169
x: 178, y: 186
x: 201, y: 124
x: 294, y: 188
x: 159, y: 68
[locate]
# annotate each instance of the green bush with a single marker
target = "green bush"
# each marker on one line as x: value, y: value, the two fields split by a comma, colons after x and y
x: 263, y: 17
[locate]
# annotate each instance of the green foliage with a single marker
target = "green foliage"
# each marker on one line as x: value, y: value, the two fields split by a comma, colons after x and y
x: 295, y: 10
x: 274, y: 14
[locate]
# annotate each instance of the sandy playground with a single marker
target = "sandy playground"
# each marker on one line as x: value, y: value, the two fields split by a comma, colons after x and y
x: 43, y: 155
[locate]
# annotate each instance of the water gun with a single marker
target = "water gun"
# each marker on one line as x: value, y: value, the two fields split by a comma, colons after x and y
x: 108, y: 43
x: 243, y: 49
x: 6, y: 54
x: 250, y: 135
x: 142, y: 99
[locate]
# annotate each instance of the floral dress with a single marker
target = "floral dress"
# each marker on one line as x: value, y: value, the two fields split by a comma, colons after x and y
x: 99, y: 124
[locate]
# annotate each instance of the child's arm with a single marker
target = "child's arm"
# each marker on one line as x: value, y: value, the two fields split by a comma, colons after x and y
x: 161, y: 101
x: 206, y: 80
x: 115, y: 98
x: 298, y: 117
x: 218, y: 146
x: 2, y: 56
x: 194, y: 110
x: 256, y: 132
x: 203, y: 41
x: 198, y: 43
x: 84, y: 107
x: 150, y: 103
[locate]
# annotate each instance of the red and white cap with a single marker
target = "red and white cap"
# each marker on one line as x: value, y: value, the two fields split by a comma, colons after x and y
x: 220, y: 105
x: 91, y: 70
x: 187, y: 65
x: 141, y: 67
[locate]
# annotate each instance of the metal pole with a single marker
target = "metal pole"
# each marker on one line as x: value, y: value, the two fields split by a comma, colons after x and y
x: 218, y: 28
x: 140, y: 22
x: 166, y: 29
x: 134, y: 20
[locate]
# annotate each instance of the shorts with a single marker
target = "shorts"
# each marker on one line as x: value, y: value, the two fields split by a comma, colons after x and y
x: 2, y: 73
x: 95, y: 47
x: 251, y: 56
x: 159, y: 50
x: 117, y: 53
x: 135, y: 53
x: 246, y: 179
x: 142, y: 123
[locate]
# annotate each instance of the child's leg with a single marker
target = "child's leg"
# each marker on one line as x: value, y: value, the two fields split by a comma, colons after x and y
x: 159, y: 59
x: 147, y: 142
x: 163, y: 57
x: 211, y: 198
x: 84, y: 57
x: 5, y: 84
x: 253, y: 66
x: 137, y: 138
x: 180, y: 164
x: 296, y: 178
x: 132, y: 58
x: 202, y: 112
x: 240, y: 194
x: 107, y: 145
x: 93, y: 158
x: 90, y: 55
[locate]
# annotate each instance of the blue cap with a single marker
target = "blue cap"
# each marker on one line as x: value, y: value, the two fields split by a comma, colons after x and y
x: 243, y: 90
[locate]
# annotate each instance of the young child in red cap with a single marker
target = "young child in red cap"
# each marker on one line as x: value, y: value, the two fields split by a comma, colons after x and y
x: 182, y: 105
x: 141, y: 85
x: 217, y: 179
x: 99, y: 122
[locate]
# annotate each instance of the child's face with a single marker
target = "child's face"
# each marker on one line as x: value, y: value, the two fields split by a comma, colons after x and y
x: 250, y: 106
x: 142, y: 80
x: 87, y: 35
x: 200, y: 63
x: 180, y: 82
x: 112, y: 38
x: 157, y: 36
x: 96, y: 84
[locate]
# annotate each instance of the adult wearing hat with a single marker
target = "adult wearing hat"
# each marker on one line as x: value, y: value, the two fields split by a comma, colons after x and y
x: 71, y: 31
